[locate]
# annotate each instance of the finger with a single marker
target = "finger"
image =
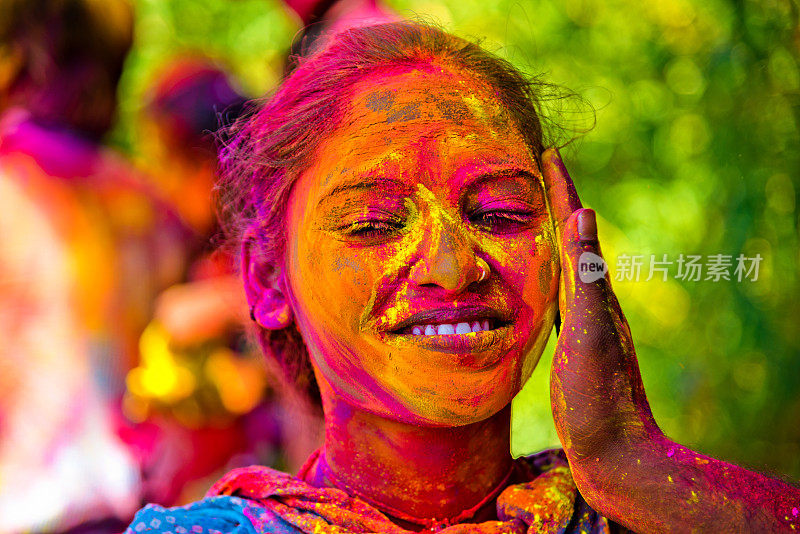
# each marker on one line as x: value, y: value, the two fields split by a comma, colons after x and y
x: 562, y: 198
x: 559, y: 188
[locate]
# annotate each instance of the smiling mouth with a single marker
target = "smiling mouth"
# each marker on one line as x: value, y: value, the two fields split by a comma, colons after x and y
x: 473, y: 336
x: 448, y: 321
x: 450, y: 329
x: 477, y: 350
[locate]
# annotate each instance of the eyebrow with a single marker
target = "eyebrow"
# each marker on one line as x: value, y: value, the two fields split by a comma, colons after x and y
x: 505, y: 172
x: 483, y: 166
x: 361, y: 183
x: 369, y: 181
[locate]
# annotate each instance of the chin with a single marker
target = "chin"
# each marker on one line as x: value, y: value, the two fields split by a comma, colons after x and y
x: 441, y: 419
x: 466, y: 400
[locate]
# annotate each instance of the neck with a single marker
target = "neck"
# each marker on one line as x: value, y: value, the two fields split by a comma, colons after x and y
x: 424, y: 472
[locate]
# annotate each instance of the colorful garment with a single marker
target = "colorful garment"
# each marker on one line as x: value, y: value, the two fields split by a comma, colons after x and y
x: 257, y: 499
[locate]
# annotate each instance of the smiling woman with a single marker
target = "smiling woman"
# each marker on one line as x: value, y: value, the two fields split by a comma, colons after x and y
x: 406, y: 241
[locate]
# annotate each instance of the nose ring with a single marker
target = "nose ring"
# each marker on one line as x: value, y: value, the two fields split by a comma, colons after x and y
x: 484, y: 272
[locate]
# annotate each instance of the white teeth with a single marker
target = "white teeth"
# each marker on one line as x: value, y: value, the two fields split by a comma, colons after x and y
x: 445, y: 329
x: 463, y: 328
x: 450, y: 329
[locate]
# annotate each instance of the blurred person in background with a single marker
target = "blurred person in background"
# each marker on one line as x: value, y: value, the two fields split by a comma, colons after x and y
x: 185, y: 103
x: 85, y: 248
x: 198, y: 381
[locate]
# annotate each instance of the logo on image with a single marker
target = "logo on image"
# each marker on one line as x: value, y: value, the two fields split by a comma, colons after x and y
x: 591, y: 267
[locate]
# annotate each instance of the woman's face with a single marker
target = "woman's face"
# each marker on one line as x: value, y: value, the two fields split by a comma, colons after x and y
x: 425, y: 185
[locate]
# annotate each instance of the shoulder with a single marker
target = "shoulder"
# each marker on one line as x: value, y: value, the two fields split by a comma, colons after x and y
x: 231, y: 506
x: 211, y: 515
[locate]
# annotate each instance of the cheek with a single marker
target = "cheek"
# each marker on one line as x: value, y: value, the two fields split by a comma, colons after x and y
x: 335, y: 285
x: 540, y: 283
x: 342, y: 282
x: 539, y: 294
x: 527, y: 264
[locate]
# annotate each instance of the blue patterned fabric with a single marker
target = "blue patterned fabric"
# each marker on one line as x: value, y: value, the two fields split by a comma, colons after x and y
x: 258, y: 500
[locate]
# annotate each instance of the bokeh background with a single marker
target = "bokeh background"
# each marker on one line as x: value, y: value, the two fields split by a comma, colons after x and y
x: 694, y: 149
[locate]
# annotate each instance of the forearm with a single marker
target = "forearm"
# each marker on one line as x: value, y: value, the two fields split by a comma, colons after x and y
x: 622, y: 464
x: 661, y: 486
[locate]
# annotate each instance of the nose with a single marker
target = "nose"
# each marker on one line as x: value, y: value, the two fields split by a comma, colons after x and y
x: 448, y: 259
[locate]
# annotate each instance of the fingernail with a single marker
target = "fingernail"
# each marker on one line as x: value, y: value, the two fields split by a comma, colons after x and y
x: 551, y: 155
x: 587, y: 225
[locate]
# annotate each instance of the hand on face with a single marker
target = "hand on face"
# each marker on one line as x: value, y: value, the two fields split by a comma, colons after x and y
x: 598, y: 400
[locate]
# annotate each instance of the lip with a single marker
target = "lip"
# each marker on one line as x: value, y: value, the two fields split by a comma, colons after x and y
x: 475, y: 350
x: 451, y: 315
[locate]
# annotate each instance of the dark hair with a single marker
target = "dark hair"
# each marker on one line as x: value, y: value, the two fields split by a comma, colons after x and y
x: 276, y: 140
x: 68, y: 58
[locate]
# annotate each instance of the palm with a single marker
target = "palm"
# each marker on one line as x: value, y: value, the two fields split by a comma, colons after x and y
x: 597, y: 396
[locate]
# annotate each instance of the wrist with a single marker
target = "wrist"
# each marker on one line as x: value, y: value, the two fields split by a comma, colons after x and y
x: 617, y: 468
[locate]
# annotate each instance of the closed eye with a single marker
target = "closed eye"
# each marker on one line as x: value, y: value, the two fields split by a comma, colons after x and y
x: 502, y: 221
x: 372, y: 228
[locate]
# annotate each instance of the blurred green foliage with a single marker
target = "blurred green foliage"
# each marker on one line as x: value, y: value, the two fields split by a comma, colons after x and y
x: 695, y: 150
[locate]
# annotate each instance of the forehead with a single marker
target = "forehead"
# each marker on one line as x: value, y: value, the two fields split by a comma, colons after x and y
x: 427, y: 93
x: 425, y: 121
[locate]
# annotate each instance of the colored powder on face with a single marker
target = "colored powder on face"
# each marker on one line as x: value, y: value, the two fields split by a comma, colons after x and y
x: 443, y: 138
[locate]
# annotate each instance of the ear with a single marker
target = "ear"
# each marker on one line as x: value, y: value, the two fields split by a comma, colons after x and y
x: 264, y: 287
